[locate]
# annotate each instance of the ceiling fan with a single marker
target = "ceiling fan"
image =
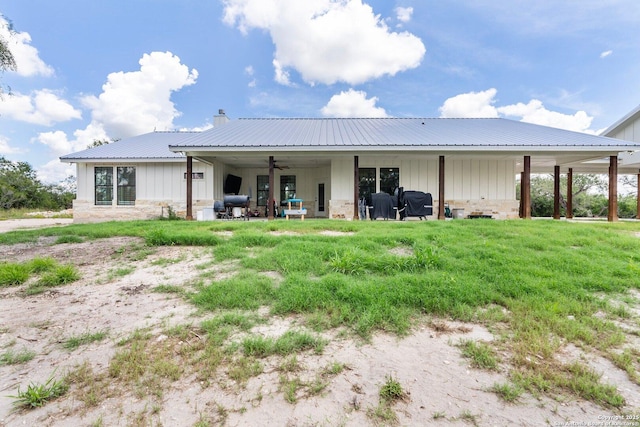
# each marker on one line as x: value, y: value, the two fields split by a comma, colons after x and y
x: 279, y: 167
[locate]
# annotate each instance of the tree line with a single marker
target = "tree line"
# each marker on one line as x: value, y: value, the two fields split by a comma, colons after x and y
x: 20, y: 188
x: 590, y: 196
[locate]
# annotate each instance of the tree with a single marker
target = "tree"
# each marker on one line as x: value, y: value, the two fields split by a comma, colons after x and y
x: 589, y: 196
x: 7, y: 61
x: 21, y: 189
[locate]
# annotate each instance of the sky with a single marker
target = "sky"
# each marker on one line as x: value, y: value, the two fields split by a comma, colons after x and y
x: 96, y: 70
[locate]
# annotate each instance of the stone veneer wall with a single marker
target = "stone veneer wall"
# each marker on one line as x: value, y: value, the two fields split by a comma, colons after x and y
x: 341, y: 209
x: 143, y: 209
x: 498, y: 209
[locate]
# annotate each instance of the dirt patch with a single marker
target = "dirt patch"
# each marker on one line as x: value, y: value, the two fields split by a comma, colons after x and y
x: 116, y: 295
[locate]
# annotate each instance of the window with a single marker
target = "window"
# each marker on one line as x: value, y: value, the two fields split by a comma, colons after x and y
x: 263, y: 189
x: 103, y: 185
x: 389, y: 180
x: 367, y: 183
x: 287, y: 187
x: 126, y: 185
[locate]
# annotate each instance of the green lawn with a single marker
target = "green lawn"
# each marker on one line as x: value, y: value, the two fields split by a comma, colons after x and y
x: 538, y: 285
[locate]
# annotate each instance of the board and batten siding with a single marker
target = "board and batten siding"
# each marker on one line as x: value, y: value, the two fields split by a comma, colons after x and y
x: 630, y: 132
x: 154, y: 181
x: 464, y: 179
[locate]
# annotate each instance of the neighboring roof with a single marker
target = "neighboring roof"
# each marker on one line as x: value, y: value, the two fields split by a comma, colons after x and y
x: 392, y: 133
x: 152, y: 146
x: 631, y: 116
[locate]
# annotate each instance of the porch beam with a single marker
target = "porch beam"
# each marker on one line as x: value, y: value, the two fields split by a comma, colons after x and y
x: 570, y: 193
x: 556, y: 192
x: 189, y: 188
x: 356, y: 187
x: 526, y: 188
x: 271, y: 201
x: 441, y: 189
x: 613, y: 189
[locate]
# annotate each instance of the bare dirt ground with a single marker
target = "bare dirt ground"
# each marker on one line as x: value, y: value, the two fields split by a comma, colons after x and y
x: 442, y: 389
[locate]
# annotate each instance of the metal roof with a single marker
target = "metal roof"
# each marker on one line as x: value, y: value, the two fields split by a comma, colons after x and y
x: 152, y: 146
x: 407, y: 133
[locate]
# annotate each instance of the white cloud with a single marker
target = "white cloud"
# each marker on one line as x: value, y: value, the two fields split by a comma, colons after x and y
x: 470, y: 105
x: 404, y: 13
x: 327, y: 41
x: 27, y: 58
x: 481, y: 104
x: 281, y: 75
x: 202, y: 128
x: 131, y: 103
x: 535, y: 112
x: 136, y: 102
x: 606, y: 53
x: 55, y: 172
x: 353, y: 103
x: 41, y: 107
x: 5, y: 148
x: 249, y: 71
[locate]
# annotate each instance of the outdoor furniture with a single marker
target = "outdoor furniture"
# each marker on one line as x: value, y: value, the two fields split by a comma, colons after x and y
x: 294, y: 207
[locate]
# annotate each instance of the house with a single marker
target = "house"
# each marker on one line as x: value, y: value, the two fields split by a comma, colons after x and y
x: 470, y: 164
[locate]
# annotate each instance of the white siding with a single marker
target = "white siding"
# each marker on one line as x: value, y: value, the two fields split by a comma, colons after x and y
x: 464, y: 178
x: 631, y: 132
x: 154, y: 181
x: 342, y: 179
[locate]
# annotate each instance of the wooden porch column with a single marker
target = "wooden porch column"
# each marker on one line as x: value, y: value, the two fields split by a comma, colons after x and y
x: 526, y: 188
x: 613, y: 189
x: 570, y: 193
x: 441, y: 188
x: 189, y: 188
x: 356, y: 187
x: 556, y: 192
x: 638, y: 197
x: 271, y: 202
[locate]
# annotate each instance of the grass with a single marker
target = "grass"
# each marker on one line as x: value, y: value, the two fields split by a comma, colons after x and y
x: 289, y: 343
x: 11, y: 357
x: 74, y: 342
x: 540, y: 284
x: 481, y: 354
x: 391, y: 390
x: 508, y: 392
x: 48, y: 272
x: 37, y: 395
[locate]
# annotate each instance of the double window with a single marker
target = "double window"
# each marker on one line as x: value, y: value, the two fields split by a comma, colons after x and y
x: 389, y: 181
x: 125, y: 185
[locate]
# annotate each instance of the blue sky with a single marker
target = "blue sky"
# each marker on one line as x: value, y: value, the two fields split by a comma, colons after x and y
x: 113, y: 69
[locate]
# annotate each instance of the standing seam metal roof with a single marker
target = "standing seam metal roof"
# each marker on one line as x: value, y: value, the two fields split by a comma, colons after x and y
x: 394, y: 132
x: 154, y: 145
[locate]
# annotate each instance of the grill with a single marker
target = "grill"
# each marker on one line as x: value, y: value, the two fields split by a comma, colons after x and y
x: 231, y: 206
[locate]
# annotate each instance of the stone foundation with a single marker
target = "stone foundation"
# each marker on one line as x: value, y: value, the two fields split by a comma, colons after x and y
x: 498, y: 209
x: 341, y: 209
x: 84, y: 212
